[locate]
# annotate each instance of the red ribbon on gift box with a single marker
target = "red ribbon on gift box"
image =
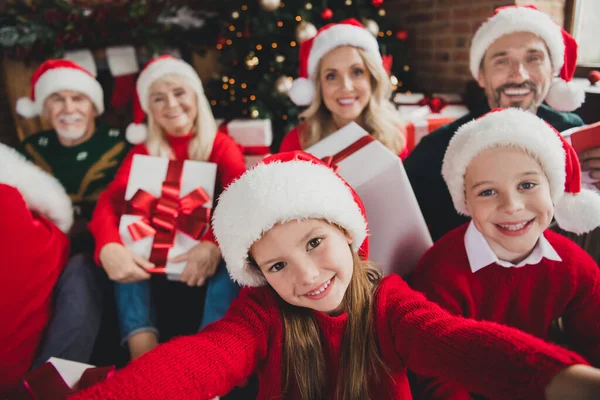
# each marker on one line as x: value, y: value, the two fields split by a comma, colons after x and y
x: 45, y: 383
x: 333, y: 160
x: 167, y: 214
x: 256, y: 150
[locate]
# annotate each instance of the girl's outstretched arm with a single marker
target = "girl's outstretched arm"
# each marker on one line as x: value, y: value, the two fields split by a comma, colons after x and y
x: 486, y: 358
x: 202, y: 366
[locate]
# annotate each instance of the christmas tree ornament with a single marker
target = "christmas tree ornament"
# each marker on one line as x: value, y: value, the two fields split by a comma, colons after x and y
x: 377, y: 3
x: 402, y: 34
x: 327, y: 14
x: 269, y: 5
x: 371, y: 26
x: 308, y: 6
x: 235, y: 15
x: 381, y: 13
x: 348, y: 2
x: 283, y: 84
x: 304, y: 31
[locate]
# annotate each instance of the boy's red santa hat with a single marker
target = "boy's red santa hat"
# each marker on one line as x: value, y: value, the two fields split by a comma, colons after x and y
x: 56, y: 75
x: 283, y: 187
x: 576, y: 209
x: 42, y: 192
x: 563, y: 94
x: 158, y: 67
x: 349, y: 32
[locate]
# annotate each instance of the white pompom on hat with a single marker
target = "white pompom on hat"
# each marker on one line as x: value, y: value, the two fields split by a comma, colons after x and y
x: 283, y: 187
x: 576, y: 209
x: 158, y: 67
x: 349, y: 32
x: 564, y: 95
x: 55, y: 75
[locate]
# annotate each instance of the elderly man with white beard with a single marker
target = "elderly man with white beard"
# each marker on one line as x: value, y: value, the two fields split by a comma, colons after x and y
x: 84, y: 156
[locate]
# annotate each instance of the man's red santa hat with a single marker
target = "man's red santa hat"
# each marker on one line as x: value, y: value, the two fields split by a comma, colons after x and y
x: 56, y: 75
x: 42, y: 192
x: 563, y: 94
x: 158, y: 67
x: 576, y: 209
x: 349, y: 32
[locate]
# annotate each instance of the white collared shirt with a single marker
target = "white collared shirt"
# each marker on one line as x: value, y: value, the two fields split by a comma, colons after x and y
x: 481, y: 255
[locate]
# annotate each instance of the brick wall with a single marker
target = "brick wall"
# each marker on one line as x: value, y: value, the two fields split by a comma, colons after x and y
x: 440, y: 34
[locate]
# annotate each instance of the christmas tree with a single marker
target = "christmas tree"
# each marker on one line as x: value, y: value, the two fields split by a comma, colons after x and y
x: 259, y: 48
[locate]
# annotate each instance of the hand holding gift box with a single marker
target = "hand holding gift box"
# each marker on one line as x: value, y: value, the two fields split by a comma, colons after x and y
x: 58, y: 378
x: 396, y: 225
x: 168, y: 207
x: 255, y: 136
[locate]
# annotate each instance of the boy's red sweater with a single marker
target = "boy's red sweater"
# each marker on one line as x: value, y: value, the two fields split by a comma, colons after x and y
x: 412, y: 332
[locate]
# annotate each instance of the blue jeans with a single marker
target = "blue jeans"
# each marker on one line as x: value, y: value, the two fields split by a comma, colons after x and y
x: 78, y: 305
x: 137, y: 310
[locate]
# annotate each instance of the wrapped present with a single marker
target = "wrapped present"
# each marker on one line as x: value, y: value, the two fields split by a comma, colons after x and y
x: 167, y: 210
x: 58, y: 378
x: 253, y: 135
x: 584, y: 138
x: 439, y: 105
x: 397, y: 230
x: 418, y: 128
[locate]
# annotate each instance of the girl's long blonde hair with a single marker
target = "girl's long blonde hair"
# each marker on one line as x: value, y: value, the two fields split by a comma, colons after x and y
x: 205, y: 127
x: 380, y: 118
x: 303, y: 360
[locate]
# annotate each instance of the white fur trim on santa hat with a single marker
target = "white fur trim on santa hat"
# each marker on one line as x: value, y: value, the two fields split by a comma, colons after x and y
x: 340, y: 35
x: 565, y: 96
x: 509, y: 127
x: 42, y: 192
x: 578, y: 213
x: 159, y: 68
x: 274, y: 193
x: 58, y: 79
x: 302, y: 92
x: 136, y: 133
x: 517, y: 19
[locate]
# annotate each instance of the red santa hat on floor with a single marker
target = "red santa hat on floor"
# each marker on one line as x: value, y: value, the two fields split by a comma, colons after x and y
x: 42, y: 192
x: 283, y: 187
x: 576, y: 209
x: 56, y: 75
x: 349, y: 32
x: 158, y: 67
x: 563, y: 94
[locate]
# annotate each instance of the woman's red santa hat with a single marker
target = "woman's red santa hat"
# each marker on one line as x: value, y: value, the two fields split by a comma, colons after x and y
x: 42, y: 192
x: 56, y: 75
x: 281, y: 188
x: 576, y: 209
x: 157, y: 68
x: 563, y: 94
x: 349, y: 32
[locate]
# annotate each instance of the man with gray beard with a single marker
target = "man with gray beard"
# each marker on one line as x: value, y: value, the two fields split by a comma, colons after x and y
x: 84, y: 157
x: 521, y: 58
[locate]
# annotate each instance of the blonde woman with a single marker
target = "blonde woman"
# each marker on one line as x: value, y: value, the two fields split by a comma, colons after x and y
x: 180, y: 126
x: 342, y: 80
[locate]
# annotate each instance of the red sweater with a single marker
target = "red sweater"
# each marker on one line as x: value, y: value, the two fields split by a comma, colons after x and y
x: 34, y: 252
x: 105, y: 220
x: 412, y: 332
x: 291, y: 142
x: 528, y: 298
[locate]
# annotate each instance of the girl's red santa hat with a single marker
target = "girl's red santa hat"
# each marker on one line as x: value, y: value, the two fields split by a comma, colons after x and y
x: 576, y: 209
x: 158, y: 67
x: 563, y: 94
x: 42, y: 192
x: 56, y: 75
x: 281, y: 188
x: 349, y: 32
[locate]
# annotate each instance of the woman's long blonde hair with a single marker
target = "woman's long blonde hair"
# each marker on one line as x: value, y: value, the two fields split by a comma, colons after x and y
x: 303, y: 361
x: 380, y: 118
x: 205, y: 127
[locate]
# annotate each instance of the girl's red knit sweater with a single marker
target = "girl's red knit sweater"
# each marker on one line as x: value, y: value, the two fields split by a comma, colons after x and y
x: 412, y: 332
x: 105, y: 221
x: 529, y: 298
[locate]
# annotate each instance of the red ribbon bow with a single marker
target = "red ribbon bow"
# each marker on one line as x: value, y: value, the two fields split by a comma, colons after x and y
x: 333, y: 160
x: 167, y: 214
x: 436, y: 104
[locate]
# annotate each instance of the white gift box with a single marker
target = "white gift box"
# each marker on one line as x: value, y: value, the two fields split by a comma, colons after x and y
x: 410, y: 110
x: 70, y: 371
x: 397, y: 230
x: 253, y: 135
x: 148, y: 174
